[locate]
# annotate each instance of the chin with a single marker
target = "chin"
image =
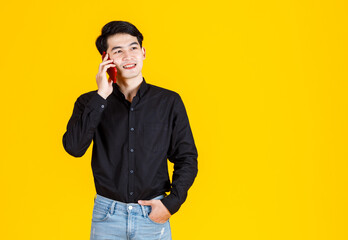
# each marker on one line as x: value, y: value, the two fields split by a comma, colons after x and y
x: 129, y: 77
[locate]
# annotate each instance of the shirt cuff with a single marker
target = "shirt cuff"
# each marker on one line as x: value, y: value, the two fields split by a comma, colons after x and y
x: 97, y: 102
x: 171, y: 203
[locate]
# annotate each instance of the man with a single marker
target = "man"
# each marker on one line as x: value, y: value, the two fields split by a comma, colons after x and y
x: 135, y: 128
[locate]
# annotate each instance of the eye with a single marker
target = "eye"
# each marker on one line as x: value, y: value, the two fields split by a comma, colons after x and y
x: 117, y: 51
x: 134, y: 47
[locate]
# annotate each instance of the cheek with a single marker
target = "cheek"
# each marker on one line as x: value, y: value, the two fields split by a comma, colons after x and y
x: 140, y: 60
x: 118, y: 64
x: 140, y: 65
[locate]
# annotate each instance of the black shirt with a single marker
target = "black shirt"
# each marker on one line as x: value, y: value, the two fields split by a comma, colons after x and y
x: 132, y: 142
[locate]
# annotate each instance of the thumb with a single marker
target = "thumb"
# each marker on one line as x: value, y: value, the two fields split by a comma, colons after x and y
x: 145, y: 202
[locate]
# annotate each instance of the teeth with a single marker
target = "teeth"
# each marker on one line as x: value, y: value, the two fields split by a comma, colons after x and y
x: 129, y: 66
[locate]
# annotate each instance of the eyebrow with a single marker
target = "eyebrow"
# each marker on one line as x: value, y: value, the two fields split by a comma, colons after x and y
x: 133, y: 43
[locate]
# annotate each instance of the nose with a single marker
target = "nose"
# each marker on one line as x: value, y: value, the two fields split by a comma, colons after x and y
x: 126, y: 55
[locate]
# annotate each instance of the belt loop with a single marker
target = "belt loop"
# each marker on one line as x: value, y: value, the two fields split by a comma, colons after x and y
x: 143, y: 209
x: 112, y: 208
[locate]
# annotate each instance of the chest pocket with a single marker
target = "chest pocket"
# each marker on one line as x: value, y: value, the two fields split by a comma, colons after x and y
x: 156, y: 136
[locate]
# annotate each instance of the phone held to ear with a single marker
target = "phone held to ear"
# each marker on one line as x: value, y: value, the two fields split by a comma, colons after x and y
x: 112, y: 71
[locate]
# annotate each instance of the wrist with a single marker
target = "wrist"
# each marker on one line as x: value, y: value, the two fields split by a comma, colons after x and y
x: 104, y: 95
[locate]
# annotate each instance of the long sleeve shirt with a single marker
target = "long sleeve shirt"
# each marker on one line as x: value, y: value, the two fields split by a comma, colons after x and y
x: 132, y: 142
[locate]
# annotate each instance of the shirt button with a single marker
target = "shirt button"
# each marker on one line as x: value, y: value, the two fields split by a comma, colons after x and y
x: 102, y: 106
x: 132, y: 109
x: 130, y: 207
x: 132, y: 129
x: 131, y: 193
x: 132, y: 150
x: 131, y: 171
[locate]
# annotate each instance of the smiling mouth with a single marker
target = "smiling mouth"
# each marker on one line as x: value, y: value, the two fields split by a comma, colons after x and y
x: 129, y: 66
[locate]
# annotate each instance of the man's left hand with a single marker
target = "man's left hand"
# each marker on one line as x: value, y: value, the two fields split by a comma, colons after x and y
x: 159, y: 213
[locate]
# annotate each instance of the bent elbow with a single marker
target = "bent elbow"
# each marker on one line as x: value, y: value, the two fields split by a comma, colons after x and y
x: 72, y: 148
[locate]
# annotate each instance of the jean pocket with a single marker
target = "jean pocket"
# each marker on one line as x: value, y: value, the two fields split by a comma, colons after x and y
x: 152, y: 221
x: 101, y: 212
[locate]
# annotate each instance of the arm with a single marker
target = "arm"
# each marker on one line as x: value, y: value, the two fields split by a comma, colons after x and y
x: 82, y: 124
x: 87, y: 113
x: 183, y: 153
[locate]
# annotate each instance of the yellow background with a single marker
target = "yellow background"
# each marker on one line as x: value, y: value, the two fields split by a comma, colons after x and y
x: 265, y: 87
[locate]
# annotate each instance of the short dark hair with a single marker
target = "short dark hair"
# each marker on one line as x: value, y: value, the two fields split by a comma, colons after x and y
x: 115, y: 27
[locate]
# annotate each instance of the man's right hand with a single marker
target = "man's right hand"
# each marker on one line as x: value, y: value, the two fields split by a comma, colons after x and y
x: 104, y: 85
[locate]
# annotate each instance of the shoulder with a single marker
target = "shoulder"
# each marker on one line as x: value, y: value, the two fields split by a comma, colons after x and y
x: 85, y: 97
x: 162, y: 92
x: 168, y: 98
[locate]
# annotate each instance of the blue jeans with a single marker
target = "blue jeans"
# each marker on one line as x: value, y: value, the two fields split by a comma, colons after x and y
x: 117, y: 220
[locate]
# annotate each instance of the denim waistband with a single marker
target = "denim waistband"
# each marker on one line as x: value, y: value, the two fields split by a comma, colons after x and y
x: 114, y: 205
x: 110, y: 200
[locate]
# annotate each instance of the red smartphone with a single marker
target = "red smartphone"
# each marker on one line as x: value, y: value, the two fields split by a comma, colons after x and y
x: 112, y: 71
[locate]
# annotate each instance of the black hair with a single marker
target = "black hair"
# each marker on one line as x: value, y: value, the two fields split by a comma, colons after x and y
x: 114, y: 27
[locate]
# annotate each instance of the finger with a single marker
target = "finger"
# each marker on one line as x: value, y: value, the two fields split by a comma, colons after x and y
x: 105, y: 67
x: 102, y: 64
x: 108, y: 65
x: 106, y: 56
x: 145, y: 202
x: 106, y: 62
x: 156, y: 219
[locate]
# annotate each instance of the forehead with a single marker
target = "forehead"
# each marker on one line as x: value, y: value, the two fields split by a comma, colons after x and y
x: 121, y: 39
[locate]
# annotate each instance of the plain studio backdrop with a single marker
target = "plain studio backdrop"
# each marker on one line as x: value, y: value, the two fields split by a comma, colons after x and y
x: 265, y: 87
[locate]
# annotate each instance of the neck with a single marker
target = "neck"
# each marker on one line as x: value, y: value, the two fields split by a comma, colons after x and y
x: 129, y: 87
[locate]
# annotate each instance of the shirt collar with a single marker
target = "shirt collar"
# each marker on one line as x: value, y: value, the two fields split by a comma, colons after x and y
x: 141, y: 91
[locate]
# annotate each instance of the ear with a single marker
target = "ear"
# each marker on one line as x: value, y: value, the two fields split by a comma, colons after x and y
x: 144, y: 52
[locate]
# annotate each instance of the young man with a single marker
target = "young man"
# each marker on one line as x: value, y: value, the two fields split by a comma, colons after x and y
x: 135, y: 128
